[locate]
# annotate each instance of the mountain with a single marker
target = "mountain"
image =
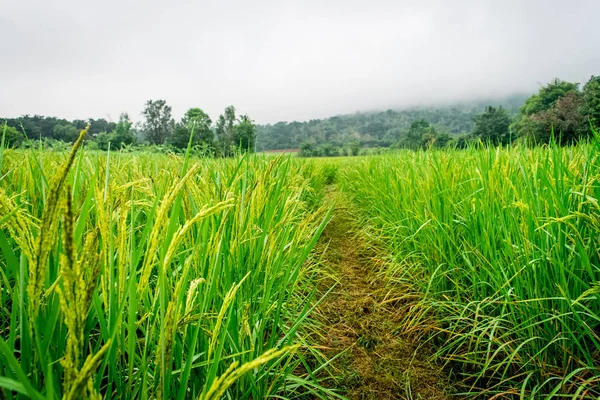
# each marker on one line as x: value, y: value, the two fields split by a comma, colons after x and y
x: 382, y: 128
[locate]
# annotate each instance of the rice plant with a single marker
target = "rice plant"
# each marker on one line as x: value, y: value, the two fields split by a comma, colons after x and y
x: 154, y: 276
x: 501, y: 246
x: 151, y: 276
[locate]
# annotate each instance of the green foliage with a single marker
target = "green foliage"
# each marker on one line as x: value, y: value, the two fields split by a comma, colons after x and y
x: 564, y: 122
x: 65, y: 132
x: 443, y: 139
x: 526, y: 124
x: 122, y: 135
x: 158, y: 124
x: 306, y: 150
x: 416, y: 128
x: 235, y: 135
x: 12, y: 137
x: 383, y: 129
x: 328, y: 150
x: 422, y: 135
x: 354, y: 146
x: 162, y: 133
x: 245, y: 134
x: 461, y: 141
x: 225, y: 132
x: 47, y: 144
x: 493, y: 126
x: 547, y: 96
x: 96, y: 126
x: 102, y: 140
x: 591, y: 99
x: 181, y: 137
x: 559, y: 111
x: 197, y: 121
x: 40, y: 127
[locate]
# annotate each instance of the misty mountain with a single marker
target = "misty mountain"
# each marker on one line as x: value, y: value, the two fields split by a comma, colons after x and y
x: 381, y: 128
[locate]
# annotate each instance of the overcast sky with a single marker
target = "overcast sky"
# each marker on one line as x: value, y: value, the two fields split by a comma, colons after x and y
x: 284, y: 60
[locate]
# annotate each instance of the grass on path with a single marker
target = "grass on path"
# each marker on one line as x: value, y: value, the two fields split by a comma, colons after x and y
x: 371, y: 358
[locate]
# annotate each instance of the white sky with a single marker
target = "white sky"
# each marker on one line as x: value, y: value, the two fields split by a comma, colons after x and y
x: 284, y: 60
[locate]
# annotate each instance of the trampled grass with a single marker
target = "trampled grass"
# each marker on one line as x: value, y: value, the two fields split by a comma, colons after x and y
x: 155, y: 276
x: 502, y: 249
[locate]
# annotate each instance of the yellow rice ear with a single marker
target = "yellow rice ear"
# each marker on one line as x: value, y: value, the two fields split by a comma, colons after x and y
x: 48, y: 230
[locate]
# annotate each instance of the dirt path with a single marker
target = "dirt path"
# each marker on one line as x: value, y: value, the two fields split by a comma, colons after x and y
x: 377, y: 363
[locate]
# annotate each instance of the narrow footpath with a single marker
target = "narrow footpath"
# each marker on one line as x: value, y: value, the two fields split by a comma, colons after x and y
x: 376, y: 361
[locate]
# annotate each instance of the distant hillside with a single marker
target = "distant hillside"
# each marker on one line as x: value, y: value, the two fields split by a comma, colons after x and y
x: 377, y: 128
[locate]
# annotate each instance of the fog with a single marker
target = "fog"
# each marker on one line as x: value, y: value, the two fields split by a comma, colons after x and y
x: 284, y: 60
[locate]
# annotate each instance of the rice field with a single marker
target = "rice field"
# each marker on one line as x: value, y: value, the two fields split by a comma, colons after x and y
x: 138, y: 275
x: 498, y: 251
x: 149, y: 276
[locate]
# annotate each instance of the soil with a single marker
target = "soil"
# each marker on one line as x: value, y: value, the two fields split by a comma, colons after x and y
x: 372, y: 359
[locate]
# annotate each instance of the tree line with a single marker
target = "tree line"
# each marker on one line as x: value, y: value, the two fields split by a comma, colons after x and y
x: 229, y: 135
x: 560, y: 111
x: 377, y: 129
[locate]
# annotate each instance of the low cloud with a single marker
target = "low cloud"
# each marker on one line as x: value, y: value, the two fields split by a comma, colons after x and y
x: 283, y: 60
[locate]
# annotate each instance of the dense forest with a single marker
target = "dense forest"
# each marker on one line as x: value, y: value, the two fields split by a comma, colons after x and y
x: 560, y: 110
x: 383, y: 129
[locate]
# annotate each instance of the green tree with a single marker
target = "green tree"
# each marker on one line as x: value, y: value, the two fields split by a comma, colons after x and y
x: 418, y: 129
x: 65, y: 132
x: 245, y: 134
x: 420, y: 135
x: 306, y: 150
x: 443, y: 139
x: 102, y: 140
x: 565, y: 121
x: 461, y: 141
x: 544, y: 100
x: 548, y: 96
x: 591, y: 99
x: 12, y: 137
x: 98, y: 125
x: 158, y: 124
x: 354, y: 147
x: 197, y: 121
x: 492, y: 126
x: 79, y: 124
x: 122, y: 135
x: 225, y: 131
x: 328, y: 150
